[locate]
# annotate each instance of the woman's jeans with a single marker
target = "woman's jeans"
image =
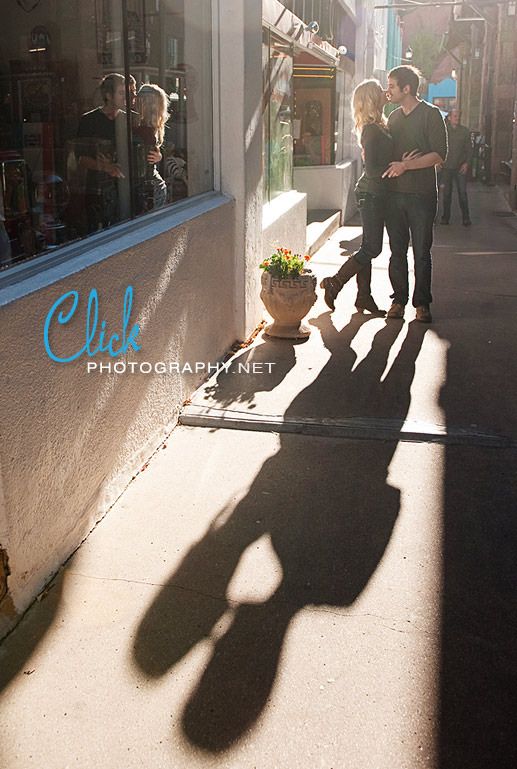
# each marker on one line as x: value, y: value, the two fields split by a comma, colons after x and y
x: 372, y: 210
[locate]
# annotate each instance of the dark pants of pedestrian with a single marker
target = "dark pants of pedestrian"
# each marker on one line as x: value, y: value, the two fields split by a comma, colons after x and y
x: 411, y: 214
x: 449, y: 178
x: 372, y: 208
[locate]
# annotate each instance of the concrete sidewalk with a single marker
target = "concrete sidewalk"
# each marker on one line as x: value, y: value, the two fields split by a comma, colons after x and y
x: 331, y: 582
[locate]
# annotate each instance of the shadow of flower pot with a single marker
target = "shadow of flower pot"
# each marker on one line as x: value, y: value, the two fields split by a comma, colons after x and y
x: 288, y: 300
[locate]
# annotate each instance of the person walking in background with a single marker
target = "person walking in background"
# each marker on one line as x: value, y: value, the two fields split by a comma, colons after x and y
x: 419, y: 128
x: 368, y: 101
x: 455, y: 169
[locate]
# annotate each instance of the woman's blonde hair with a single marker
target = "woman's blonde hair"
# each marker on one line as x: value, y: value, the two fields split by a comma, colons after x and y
x: 367, y: 103
x: 153, y: 105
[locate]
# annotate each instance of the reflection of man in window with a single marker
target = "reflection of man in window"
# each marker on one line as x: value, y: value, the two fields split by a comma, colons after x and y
x: 100, y: 134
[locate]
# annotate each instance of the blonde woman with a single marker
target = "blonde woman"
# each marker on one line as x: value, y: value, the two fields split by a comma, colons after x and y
x: 368, y: 101
x: 152, y: 105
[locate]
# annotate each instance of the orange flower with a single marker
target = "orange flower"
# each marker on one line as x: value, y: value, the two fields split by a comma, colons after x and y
x: 266, y: 262
x: 287, y: 256
x: 307, y: 257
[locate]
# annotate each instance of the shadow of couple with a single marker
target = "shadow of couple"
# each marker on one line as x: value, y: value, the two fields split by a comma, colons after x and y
x: 329, y: 513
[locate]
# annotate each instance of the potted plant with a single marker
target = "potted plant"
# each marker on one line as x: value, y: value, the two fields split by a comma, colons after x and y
x: 288, y: 293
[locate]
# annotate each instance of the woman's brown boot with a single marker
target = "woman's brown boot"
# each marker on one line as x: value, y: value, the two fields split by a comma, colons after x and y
x: 333, y: 284
x: 365, y: 300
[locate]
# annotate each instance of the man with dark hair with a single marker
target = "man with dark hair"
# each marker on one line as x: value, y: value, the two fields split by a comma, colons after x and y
x: 101, y: 135
x: 406, y: 76
x: 456, y: 166
x: 419, y: 126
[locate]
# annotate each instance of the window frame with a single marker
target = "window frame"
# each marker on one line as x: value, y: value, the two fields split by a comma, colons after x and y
x: 49, y: 268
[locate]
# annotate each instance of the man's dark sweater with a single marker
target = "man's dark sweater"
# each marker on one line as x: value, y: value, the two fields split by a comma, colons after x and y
x: 424, y: 130
x: 460, y: 147
x: 97, y: 134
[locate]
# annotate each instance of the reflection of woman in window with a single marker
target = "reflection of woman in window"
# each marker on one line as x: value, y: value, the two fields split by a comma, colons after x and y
x: 152, y: 105
x: 371, y: 190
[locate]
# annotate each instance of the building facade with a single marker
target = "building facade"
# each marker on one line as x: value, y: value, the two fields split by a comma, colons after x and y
x: 486, y: 34
x: 88, y: 250
x: 310, y: 47
x: 130, y: 242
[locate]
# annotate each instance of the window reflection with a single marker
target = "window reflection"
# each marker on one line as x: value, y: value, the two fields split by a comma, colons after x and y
x: 152, y: 115
x: 75, y: 157
x: 314, y: 107
x: 99, y: 150
x: 278, y: 123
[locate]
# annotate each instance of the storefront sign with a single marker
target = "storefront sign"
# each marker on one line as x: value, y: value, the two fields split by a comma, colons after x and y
x: 40, y: 39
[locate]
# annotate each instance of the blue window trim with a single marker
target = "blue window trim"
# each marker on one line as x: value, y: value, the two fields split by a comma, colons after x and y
x: 46, y: 269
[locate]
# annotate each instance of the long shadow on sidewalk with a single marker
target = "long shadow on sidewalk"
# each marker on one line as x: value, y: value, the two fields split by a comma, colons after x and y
x: 329, y: 512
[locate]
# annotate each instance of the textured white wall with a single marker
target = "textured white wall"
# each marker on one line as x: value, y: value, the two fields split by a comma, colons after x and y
x: 71, y: 441
x: 241, y: 97
x: 284, y: 223
x: 328, y: 187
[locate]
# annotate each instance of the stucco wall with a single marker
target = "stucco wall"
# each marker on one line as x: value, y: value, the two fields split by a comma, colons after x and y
x: 284, y: 223
x: 328, y: 187
x: 72, y: 440
x: 240, y: 62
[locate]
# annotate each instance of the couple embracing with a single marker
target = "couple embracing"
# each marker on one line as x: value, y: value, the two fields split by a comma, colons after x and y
x: 397, y: 189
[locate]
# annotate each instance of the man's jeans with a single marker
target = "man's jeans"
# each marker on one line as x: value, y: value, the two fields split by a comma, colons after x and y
x: 411, y: 214
x: 449, y: 177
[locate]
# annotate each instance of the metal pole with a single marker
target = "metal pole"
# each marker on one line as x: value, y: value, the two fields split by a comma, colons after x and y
x: 513, y: 178
x: 129, y: 126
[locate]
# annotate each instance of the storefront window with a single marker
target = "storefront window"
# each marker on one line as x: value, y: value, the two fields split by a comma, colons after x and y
x: 314, y: 112
x: 278, y: 124
x: 74, y: 159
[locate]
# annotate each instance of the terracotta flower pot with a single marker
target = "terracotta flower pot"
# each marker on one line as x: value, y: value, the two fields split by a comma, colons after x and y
x: 288, y: 301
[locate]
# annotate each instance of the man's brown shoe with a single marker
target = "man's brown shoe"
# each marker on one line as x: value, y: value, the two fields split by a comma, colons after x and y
x: 423, y: 314
x: 396, y: 311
